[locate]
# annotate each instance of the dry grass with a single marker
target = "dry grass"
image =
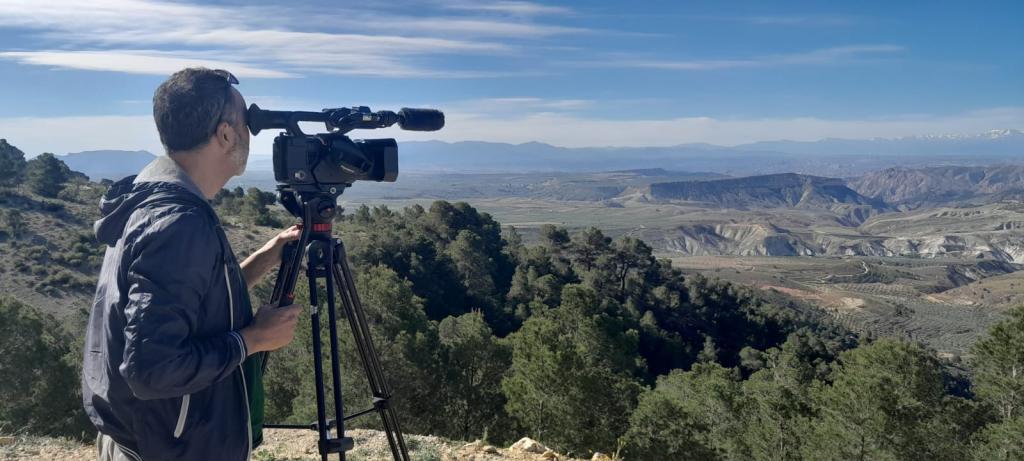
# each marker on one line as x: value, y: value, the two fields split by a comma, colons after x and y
x: 291, y: 445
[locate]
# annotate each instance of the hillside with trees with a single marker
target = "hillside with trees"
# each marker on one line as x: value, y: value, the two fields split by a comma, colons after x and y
x: 584, y: 342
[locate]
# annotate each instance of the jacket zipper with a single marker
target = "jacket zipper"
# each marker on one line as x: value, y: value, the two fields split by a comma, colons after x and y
x: 245, y: 388
x: 182, y: 415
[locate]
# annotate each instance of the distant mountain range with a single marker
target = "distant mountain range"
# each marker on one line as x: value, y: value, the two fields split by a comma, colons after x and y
x: 108, y: 164
x: 829, y: 157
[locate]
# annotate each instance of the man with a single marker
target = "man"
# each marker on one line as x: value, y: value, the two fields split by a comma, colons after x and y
x: 171, y: 325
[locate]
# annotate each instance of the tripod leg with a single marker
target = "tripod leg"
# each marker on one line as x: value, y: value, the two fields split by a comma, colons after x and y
x: 314, y: 315
x: 339, y: 408
x: 367, y: 353
x: 287, y: 274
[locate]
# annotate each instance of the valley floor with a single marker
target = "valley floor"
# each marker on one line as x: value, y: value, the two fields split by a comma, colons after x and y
x: 944, y: 301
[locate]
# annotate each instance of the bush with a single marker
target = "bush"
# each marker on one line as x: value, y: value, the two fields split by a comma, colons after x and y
x: 46, y: 174
x: 39, y: 393
x: 887, y: 400
x: 687, y: 416
x: 266, y: 219
x: 1002, y: 441
x: 998, y: 366
x: 51, y: 206
x: 14, y: 223
x: 82, y: 192
x: 572, y: 368
x: 12, y: 164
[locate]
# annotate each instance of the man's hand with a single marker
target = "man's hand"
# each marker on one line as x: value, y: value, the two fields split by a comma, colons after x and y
x: 271, y: 329
x: 261, y: 261
x: 275, y: 246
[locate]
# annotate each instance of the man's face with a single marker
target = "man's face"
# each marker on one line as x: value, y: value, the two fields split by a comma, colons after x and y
x: 240, y: 151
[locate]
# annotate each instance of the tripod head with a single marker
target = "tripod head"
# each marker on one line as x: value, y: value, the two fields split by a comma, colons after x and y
x: 316, y: 209
x: 298, y: 203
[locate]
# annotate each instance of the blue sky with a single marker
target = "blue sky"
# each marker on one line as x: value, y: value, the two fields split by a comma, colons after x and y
x: 80, y: 75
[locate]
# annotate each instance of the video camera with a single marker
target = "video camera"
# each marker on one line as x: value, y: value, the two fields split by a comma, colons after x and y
x: 329, y: 162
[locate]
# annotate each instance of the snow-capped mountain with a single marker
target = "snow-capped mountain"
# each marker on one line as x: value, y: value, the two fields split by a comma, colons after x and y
x: 1004, y: 142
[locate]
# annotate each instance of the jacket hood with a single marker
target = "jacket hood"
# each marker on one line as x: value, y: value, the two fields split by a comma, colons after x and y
x: 161, y: 179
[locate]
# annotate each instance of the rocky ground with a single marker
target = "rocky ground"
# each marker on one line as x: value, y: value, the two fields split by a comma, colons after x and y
x: 284, y: 445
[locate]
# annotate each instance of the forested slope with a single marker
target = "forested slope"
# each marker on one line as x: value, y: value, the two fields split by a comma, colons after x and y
x: 583, y: 342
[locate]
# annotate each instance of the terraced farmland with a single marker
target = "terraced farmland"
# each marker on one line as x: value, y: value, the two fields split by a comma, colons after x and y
x: 916, y: 299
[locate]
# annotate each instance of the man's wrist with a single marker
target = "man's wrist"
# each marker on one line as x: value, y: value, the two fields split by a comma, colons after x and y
x: 273, y: 244
x: 243, y: 350
x: 265, y: 255
x: 266, y: 249
x: 250, y: 340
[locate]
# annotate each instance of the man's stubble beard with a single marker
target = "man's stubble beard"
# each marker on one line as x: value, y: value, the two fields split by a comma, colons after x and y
x: 240, y: 155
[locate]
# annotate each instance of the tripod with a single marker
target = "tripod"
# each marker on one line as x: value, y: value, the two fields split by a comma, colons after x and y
x: 327, y: 260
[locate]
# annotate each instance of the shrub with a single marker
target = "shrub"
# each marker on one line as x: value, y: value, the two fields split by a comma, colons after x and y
x: 39, y: 393
x: 46, y: 174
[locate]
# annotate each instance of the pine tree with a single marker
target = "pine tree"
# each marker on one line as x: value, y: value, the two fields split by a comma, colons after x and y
x: 999, y: 366
x: 589, y: 245
x: 887, y: 401
x: 474, y: 266
x: 12, y: 164
x: 572, y: 368
x: 690, y: 415
x: 779, y: 395
x: 554, y: 237
x: 38, y: 392
x: 1002, y: 441
x: 709, y: 354
x: 628, y: 258
x: 14, y: 223
x: 46, y: 175
x: 474, y: 363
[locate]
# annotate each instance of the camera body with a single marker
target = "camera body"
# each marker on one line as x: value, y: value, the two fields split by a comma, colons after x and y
x: 304, y: 161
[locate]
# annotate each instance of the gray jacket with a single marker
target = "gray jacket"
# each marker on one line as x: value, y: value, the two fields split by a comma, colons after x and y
x: 162, y: 362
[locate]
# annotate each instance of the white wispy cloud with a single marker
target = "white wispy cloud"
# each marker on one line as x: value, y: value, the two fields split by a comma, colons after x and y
x: 380, y: 41
x: 821, y: 56
x: 106, y: 34
x: 491, y: 106
x: 509, y: 7
x: 476, y: 27
x: 149, y: 62
x: 812, y: 20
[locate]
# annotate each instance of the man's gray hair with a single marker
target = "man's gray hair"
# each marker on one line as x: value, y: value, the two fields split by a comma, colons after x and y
x: 188, y: 107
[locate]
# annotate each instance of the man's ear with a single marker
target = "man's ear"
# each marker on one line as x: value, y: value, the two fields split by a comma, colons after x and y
x: 225, y: 135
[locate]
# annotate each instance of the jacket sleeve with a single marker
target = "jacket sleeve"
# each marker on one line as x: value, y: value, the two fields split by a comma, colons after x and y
x: 172, y: 264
